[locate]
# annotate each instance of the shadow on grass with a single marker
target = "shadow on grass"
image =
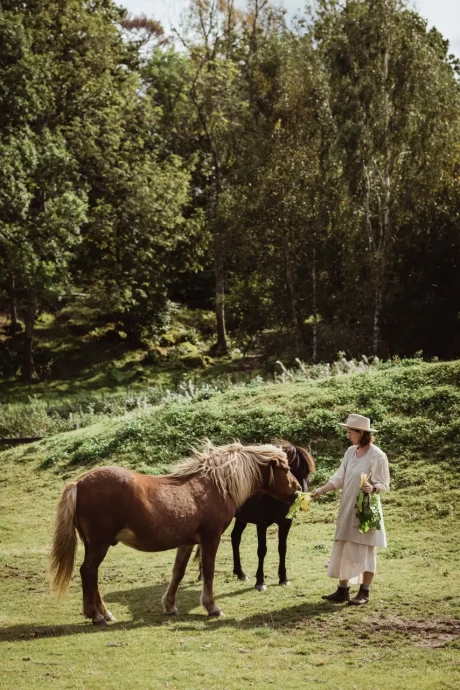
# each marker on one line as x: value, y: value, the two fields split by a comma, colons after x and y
x: 144, y: 604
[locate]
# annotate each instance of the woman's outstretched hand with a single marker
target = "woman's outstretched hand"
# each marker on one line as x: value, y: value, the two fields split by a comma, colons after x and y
x: 316, y: 493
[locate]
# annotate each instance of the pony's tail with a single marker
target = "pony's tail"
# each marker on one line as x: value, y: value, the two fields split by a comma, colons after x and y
x: 62, y: 556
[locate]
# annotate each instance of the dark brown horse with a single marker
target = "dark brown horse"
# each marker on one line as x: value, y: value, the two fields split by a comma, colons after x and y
x: 192, y: 505
x: 263, y: 511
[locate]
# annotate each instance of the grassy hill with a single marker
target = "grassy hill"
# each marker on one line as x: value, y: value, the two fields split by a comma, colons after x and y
x: 408, y: 637
x: 415, y: 406
x: 79, y: 355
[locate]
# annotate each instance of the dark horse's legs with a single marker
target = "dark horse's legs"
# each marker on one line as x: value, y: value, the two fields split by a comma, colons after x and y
x: 237, y: 531
x: 93, y: 606
x: 261, y: 553
x: 180, y: 564
x: 209, y: 545
x: 283, y: 531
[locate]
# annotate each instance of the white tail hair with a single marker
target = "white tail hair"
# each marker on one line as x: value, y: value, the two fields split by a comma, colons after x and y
x: 62, y: 556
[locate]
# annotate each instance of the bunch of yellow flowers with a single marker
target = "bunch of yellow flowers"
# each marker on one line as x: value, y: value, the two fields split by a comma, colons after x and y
x: 301, y: 502
x: 364, y: 478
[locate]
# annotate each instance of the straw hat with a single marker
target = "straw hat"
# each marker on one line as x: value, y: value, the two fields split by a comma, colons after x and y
x: 358, y: 422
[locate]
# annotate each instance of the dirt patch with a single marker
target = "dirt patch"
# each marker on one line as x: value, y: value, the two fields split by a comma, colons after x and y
x: 423, y: 633
x: 8, y: 572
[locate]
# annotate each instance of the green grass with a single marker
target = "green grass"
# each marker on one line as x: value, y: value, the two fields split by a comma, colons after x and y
x: 286, y: 637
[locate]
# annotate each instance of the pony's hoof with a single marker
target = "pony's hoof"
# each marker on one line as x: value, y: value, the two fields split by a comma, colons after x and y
x: 242, y: 577
x: 100, y: 622
x: 215, y: 613
x: 285, y: 583
x: 109, y: 617
x: 171, y: 612
x: 262, y: 587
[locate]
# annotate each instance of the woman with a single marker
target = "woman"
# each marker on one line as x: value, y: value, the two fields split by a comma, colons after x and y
x: 354, y: 554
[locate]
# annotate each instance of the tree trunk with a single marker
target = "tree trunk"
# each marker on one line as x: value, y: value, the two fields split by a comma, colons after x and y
x: 29, y: 372
x: 385, y: 221
x: 377, y: 316
x: 222, y: 344
x: 221, y: 347
x: 15, y: 326
x: 381, y: 262
x: 294, y: 302
x: 315, y: 310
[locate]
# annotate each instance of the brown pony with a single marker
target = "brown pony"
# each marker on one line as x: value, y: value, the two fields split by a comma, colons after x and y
x: 192, y: 505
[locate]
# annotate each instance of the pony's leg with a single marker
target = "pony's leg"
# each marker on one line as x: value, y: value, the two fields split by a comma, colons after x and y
x: 283, y: 531
x: 237, y: 531
x: 92, y: 608
x: 169, y: 598
x: 102, y: 608
x: 209, y: 547
x: 261, y: 553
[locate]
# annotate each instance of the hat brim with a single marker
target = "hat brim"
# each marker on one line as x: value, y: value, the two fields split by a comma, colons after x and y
x: 355, y: 428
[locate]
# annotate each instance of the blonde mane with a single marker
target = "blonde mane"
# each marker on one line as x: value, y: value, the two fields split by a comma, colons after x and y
x: 235, y: 469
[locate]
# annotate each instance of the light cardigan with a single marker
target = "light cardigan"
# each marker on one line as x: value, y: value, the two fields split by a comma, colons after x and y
x: 348, y: 478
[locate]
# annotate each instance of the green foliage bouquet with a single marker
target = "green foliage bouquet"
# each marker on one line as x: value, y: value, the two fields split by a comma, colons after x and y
x: 301, y: 502
x: 367, y: 508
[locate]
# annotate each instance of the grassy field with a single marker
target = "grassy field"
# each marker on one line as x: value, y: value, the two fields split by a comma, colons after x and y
x: 286, y: 637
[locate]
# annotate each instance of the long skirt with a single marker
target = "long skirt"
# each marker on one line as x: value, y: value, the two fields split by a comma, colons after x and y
x: 350, y: 559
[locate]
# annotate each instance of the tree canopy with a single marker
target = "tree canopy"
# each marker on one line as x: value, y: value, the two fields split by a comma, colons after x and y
x: 305, y: 176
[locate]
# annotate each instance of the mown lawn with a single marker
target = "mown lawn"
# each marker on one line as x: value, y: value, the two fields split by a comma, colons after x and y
x: 286, y: 637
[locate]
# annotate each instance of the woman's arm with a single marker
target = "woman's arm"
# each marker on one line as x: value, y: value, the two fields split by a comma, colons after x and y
x: 380, y: 475
x: 316, y: 493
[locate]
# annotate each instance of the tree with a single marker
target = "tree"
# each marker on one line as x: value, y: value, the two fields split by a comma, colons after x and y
x: 217, y: 51
x: 38, y: 239
x: 88, y: 189
x: 392, y: 94
x: 139, y: 215
x: 285, y: 191
x: 42, y: 204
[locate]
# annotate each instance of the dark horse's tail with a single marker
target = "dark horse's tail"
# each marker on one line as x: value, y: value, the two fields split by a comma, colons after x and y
x: 197, y: 557
x: 62, y: 556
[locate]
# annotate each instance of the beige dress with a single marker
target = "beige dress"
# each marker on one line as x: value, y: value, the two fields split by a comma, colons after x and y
x: 354, y: 553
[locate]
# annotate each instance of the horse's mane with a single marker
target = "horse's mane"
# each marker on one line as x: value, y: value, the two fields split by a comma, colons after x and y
x: 294, y: 453
x: 235, y: 469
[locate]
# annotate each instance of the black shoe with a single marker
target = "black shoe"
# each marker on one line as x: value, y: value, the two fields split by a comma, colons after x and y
x: 361, y: 598
x: 339, y: 597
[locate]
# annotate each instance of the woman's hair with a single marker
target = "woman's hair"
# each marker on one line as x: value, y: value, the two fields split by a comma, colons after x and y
x: 365, y: 439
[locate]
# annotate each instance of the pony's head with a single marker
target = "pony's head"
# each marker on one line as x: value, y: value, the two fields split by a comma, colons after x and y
x: 301, y: 462
x: 279, y: 481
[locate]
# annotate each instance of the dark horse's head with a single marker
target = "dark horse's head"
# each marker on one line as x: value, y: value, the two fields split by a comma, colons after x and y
x: 300, y: 461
